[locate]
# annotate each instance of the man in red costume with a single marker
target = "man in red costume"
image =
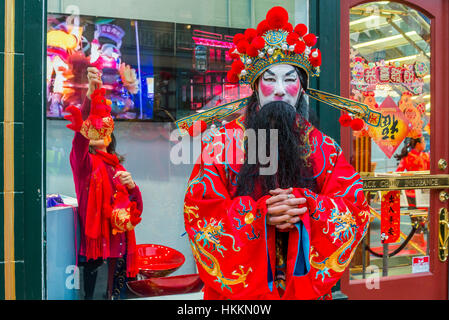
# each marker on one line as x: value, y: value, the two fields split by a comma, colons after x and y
x: 289, y: 234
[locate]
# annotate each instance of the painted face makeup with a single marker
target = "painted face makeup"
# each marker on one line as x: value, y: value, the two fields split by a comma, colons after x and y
x: 279, y: 83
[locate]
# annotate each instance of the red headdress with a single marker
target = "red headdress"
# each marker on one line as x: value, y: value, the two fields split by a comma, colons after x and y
x: 275, y: 41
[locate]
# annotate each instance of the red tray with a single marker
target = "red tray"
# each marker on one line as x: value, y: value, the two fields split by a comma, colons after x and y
x: 166, y: 285
x: 156, y: 260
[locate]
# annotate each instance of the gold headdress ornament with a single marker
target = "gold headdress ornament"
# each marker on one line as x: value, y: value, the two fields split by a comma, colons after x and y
x: 274, y: 42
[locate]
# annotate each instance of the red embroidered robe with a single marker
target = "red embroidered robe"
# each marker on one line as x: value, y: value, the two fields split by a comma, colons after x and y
x: 233, y: 246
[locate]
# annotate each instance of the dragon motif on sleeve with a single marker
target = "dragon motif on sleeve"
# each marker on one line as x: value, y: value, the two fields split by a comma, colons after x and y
x: 208, y: 236
x: 345, y: 229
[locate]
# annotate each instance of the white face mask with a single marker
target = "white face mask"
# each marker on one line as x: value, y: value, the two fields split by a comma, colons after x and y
x: 279, y: 83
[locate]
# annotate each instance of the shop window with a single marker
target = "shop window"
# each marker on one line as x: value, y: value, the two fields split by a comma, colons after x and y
x: 390, y: 72
x: 161, y: 61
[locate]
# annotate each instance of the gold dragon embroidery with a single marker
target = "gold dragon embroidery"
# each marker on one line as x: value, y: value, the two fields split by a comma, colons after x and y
x: 191, y: 211
x: 345, y: 226
x: 209, y: 235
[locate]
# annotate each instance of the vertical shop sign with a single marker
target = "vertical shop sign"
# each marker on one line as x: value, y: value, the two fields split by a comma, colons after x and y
x: 390, y: 217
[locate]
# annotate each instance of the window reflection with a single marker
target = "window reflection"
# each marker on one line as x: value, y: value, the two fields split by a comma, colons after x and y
x: 157, y: 71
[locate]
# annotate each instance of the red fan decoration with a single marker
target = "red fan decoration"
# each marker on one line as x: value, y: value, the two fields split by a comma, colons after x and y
x: 100, y: 108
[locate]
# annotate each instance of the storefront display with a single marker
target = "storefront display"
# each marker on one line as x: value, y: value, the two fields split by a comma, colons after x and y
x: 168, y: 65
x: 151, y: 70
x: 390, y: 72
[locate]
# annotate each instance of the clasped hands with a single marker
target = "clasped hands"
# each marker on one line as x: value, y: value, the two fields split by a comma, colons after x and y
x: 284, y: 209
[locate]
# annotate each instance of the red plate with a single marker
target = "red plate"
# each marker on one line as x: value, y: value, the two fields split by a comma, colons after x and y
x: 166, y: 286
x: 155, y: 260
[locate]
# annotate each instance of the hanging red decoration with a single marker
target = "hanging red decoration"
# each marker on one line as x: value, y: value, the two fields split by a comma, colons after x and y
x: 345, y: 120
x: 357, y: 124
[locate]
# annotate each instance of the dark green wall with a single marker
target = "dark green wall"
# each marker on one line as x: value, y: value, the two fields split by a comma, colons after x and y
x: 29, y: 65
x: 324, y: 21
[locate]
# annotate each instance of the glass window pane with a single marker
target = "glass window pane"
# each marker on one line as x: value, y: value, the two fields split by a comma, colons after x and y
x: 390, y: 72
x: 160, y: 61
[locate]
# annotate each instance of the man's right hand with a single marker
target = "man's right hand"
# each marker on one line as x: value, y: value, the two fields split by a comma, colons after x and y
x: 283, y: 209
x: 94, y: 78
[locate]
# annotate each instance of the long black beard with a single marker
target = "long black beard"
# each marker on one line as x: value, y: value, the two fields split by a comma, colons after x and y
x: 293, y: 171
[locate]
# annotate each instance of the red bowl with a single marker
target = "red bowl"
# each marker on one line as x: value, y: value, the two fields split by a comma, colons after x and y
x: 156, y: 261
x: 166, y: 286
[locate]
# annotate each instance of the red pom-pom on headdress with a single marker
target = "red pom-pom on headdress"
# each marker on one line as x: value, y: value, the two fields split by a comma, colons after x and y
x: 258, y: 43
x: 310, y: 39
x: 232, y: 54
x: 238, y: 37
x: 300, y: 47
x: 237, y: 66
x: 277, y: 17
x: 301, y: 29
x: 242, y: 46
x: 252, y: 51
x: 250, y: 34
x: 288, y: 27
x: 292, y: 38
x: 315, y: 58
x: 232, y: 77
x: 262, y: 27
